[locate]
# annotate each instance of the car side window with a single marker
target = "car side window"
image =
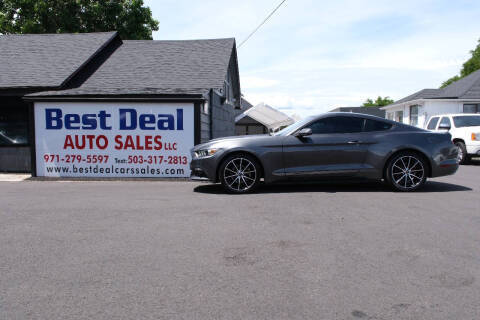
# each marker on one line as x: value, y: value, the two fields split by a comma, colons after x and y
x: 445, y: 122
x: 373, y: 125
x: 433, y: 123
x: 337, y: 125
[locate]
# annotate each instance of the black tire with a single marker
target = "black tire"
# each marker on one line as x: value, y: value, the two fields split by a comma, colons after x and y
x: 462, y: 151
x: 406, y: 171
x: 247, y: 177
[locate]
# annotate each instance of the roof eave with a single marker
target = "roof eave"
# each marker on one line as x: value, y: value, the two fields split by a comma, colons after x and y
x: 21, y: 91
x: 113, y: 98
x: 429, y: 99
x: 402, y: 103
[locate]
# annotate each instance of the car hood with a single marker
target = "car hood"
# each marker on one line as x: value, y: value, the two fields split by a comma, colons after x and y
x: 475, y: 129
x: 227, y: 141
x: 252, y: 136
x: 466, y: 130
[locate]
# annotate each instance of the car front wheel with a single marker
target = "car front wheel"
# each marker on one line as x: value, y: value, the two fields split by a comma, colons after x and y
x: 407, y: 171
x: 240, y: 173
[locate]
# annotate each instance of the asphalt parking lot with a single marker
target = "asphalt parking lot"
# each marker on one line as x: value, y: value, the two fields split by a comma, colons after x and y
x: 186, y: 250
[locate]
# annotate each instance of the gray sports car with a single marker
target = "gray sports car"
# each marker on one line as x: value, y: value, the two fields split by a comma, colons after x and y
x: 331, y: 145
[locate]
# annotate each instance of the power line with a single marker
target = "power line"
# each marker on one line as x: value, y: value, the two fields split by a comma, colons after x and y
x: 261, y: 24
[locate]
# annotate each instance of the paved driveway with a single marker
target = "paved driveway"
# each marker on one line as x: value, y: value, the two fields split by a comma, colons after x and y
x: 184, y: 250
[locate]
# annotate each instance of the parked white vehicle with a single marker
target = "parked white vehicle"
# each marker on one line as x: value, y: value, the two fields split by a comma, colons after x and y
x: 465, y: 131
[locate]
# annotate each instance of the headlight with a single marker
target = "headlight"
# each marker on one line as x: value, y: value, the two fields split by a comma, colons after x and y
x: 476, y: 136
x: 205, y: 153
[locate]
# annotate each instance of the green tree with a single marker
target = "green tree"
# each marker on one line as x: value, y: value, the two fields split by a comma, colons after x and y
x: 379, y: 102
x: 130, y: 18
x: 471, y: 65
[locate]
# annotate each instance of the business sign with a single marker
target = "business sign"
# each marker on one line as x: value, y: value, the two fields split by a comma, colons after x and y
x: 113, y: 139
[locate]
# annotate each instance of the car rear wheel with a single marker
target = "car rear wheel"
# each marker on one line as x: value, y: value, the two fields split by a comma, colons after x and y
x: 240, y: 173
x: 407, y: 171
x: 462, y: 152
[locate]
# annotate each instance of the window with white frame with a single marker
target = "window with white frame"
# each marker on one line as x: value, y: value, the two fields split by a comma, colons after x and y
x: 414, y: 115
x: 389, y: 115
x: 399, y: 116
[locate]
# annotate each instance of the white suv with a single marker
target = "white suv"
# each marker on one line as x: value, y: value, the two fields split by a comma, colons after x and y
x: 465, y: 131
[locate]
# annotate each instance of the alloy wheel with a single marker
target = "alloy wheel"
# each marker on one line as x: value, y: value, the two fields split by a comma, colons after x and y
x: 407, y: 172
x: 240, y: 174
x: 460, y: 155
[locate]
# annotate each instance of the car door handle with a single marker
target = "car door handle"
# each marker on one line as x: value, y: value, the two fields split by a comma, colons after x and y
x: 354, y: 142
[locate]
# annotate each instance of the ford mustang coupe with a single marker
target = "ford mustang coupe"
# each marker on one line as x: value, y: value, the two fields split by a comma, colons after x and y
x: 331, y: 145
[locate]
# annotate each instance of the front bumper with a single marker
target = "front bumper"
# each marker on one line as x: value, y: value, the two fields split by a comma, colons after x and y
x: 203, y: 169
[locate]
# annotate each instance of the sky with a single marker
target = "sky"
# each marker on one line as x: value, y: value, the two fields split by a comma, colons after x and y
x: 314, y: 56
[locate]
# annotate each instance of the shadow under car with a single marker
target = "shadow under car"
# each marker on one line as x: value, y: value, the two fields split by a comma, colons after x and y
x: 332, y: 187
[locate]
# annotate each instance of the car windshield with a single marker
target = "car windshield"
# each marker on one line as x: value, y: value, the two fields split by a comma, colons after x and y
x: 293, y: 127
x: 466, y: 121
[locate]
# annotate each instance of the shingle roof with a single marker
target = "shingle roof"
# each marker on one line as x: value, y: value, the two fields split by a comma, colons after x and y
x: 422, y: 94
x: 465, y: 88
x: 159, y: 67
x: 245, y: 104
x: 46, y: 60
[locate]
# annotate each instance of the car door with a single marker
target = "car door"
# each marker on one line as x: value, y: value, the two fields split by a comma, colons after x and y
x: 334, y: 148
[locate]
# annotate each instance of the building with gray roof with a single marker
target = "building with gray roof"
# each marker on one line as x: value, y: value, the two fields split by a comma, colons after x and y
x: 93, y: 67
x: 462, y: 96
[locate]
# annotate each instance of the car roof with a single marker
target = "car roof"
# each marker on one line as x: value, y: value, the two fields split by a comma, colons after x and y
x: 354, y: 114
x: 360, y: 115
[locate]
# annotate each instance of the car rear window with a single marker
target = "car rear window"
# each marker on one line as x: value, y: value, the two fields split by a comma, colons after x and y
x: 466, y: 121
x: 373, y: 125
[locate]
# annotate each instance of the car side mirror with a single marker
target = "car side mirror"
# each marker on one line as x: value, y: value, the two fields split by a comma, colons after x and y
x: 444, y: 127
x: 304, y: 133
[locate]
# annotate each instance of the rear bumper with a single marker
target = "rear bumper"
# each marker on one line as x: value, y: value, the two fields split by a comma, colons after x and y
x: 445, y: 168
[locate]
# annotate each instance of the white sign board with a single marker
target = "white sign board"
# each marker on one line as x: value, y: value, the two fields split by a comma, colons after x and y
x: 94, y: 139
